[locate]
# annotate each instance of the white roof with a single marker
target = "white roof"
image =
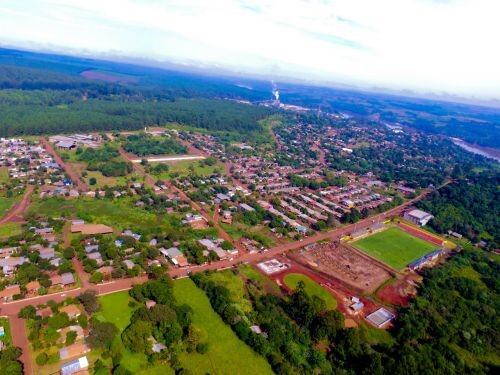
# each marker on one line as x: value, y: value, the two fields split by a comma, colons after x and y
x: 419, y: 214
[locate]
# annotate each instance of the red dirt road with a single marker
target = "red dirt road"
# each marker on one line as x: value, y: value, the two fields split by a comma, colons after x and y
x: 15, y: 214
x: 20, y: 339
x: 75, y: 177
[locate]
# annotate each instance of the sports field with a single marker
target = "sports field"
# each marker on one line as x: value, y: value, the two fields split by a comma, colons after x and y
x: 394, y: 247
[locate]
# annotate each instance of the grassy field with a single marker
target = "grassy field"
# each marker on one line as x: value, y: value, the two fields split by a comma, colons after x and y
x: 7, y: 338
x: 4, y: 175
x: 226, y: 353
x: 311, y: 287
x: 6, y: 204
x: 119, y: 214
x: 182, y: 168
x: 115, y: 309
x: 259, y: 233
x: 235, y: 285
x: 10, y: 229
x: 394, y: 247
x: 265, y: 283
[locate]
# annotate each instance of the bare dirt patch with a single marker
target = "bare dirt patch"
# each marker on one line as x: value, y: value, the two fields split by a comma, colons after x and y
x: 401, y: 291
x: 345, y: 264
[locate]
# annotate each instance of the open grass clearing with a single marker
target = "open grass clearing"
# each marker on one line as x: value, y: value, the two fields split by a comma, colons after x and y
x: 4, y: 175
x: 115, y: 309
x: 6, y: 204
x: 235, y: 285
x: 10, y: 229
x: 226, y: 353
x: 119, y: 214
x: 394, y: 247
x: 312, y: 288
x: 188, y: 167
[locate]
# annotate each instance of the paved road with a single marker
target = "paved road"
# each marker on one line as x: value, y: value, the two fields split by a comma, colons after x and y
x: 17, y: 210
x: 75, y: 177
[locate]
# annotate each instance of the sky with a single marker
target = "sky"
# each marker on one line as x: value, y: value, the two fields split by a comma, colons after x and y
x: 426, y: 46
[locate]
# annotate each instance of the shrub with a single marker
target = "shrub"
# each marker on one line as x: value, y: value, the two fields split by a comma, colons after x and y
x: 41, y: 359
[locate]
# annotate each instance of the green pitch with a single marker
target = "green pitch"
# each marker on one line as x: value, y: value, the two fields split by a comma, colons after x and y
x: 394, y: 247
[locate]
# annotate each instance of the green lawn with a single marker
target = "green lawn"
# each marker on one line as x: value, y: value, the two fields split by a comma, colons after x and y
x: 182, y: 167
x: 7, y: 338
x: 311, y: 287
x: 394, y: 247
x: 4, y: 175
x: 235, y: 285
x: 226, y: 353
x: 10, y: 229
x: 115, y: 309
x: 6, y: 204
x: 119, y: 214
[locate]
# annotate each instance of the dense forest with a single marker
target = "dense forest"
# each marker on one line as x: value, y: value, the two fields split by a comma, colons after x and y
x: 49, y: 112
x: 142, y: 144
x: 106, y: 160
x: 448, y: 329
x: 469, y: 206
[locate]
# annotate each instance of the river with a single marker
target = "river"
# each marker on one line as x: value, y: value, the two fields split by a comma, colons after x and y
x: 490, y: 153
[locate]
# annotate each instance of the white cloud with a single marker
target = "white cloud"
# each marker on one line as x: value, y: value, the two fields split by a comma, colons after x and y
x: 422, y: 45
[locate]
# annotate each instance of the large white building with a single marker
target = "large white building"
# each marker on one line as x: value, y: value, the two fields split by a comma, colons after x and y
x: 418, y: 217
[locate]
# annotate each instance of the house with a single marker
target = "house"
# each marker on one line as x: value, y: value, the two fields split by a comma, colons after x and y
x: 150, y: 303
x: 72, y: 310
x: 74, y: 350
x: 91, y: 248
x: 175, y: 256
x: 56, y: 280
x: 9, y: 292
x: 65, y: 145
x: 47, y: 253
x: 380, y: 317
x: 245, y: 207
x: 129, y: 264
x: 9, y: 264
x: 32, y: 287
x: 106, y: 271
x: 129, y: 233
x: 418, y: 217
x: 44, y: 313
x: 74, y: 367
x: 67, y: 279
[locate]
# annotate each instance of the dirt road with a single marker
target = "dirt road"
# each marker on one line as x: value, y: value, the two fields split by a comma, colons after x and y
x: 20, y: 339
x: 15, y: 214
x: 75, y: 177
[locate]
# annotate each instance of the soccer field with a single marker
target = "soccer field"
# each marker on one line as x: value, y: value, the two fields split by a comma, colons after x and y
x: 394, y: 247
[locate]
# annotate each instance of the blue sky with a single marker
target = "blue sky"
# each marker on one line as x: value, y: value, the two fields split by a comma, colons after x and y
x: 428, y: 46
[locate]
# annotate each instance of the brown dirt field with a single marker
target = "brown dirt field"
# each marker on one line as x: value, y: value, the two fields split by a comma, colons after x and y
x: 401, y: 291
x: 345, y: 264
x: 341, y: 292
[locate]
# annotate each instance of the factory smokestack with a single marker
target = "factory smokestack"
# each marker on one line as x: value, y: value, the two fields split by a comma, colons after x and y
x: 275, y: 91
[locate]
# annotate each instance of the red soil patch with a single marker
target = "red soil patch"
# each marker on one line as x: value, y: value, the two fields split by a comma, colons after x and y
x: 107, y: 77
x: 400, y: 292
x: 419, y: 233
